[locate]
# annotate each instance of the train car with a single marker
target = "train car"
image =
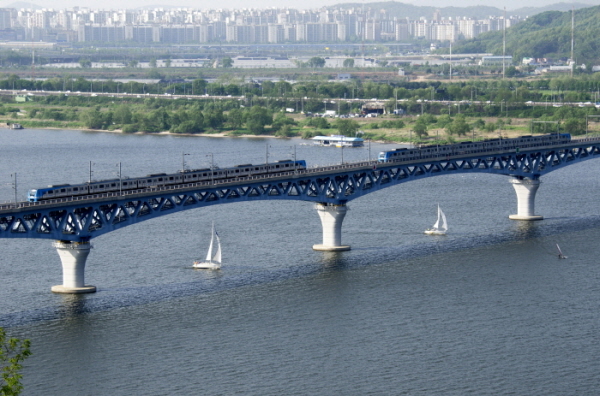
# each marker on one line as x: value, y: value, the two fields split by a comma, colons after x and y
x: 158, y: 180
x: 51, y: 192
x: 112, y: 185
x: 469, y: 147
x: 197, y: 175
x: 263, y: 169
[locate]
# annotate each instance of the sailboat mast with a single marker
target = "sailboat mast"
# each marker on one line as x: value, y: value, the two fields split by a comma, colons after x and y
x: 210, y: 247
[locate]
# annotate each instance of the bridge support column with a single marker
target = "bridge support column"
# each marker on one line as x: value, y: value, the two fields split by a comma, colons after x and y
x: 73, y: 256
x: 526, y: 190
x: 332, y: 217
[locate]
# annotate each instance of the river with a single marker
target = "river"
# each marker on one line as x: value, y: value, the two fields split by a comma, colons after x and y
x: 487, y: 309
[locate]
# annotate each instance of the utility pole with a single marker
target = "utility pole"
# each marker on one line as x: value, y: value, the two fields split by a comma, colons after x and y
x: 183, y: 162
x: 450, y: 60
x: 504, y: 46
x: 212, y: 168
x: 15, y: 186
x: 572, y: 39
x: 120, y: 181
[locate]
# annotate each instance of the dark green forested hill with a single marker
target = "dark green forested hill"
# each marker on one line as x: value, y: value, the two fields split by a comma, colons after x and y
x: 545, y: 35
x: 404, y: 10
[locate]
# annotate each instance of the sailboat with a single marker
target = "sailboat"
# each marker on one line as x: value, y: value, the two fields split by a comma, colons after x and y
x: 440, y: 227
x: 213, y: 257
x: 560, y: 253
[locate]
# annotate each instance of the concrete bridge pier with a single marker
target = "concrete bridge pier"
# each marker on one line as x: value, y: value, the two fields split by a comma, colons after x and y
x: 332, y: 217
x: 73, y: 256
x: 526, y: 190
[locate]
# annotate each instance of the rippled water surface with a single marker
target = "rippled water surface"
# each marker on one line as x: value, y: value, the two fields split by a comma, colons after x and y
x: 487, y: 309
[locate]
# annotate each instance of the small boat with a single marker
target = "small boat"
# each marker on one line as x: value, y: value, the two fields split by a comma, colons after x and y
x: 16, y: 126
x: 440, y: 227
x: 213, y: 257
x: 560, y: 253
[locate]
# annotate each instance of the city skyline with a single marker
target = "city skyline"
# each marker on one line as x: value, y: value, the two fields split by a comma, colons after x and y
x: 115, y: 4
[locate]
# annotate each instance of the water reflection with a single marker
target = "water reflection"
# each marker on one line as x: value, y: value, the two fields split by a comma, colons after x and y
x: 72, y: 305
x: 334, y: 261
x: 526, y: 229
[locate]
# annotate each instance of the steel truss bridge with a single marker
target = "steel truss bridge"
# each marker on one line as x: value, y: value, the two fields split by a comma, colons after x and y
x: 73, y: 222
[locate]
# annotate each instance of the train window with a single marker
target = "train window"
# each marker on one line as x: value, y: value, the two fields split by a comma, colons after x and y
x: 113, y: 185
x: 101, y: 186
x: 160, y: 179
x: 62, y: 190
x: 50, y: 192
x: 171, y: 178
x: 75, y: 189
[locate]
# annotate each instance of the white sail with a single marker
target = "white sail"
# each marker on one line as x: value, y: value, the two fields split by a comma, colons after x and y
x: 560, y: 253
x: 444, y: 226
x: 217, y: 257
x: 437, y: 223
x: 209, y: 254
x: 213, y: 256
x: 441, y: 226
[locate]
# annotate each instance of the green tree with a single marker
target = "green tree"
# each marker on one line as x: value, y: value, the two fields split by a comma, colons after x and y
x: 85, y: 63
x: 156, y: 121
x: 227, y: 62
x: 93, y: 119
x: 511, y: 71
x: 574, y: 126
x: 214, y: 118
x: 479, y: 124
x: 444, y: 120
x: 316, y: 61
x: 318, y: 122
x: 122, y: 115
x: 152, y: 63
x: 235, y: 118
x: 490, y: 127
x: 12, y: 353
x: 346, y: 127
x: 285, y: 131
x: 348, y: 62
x: 420, y: 128
x: 459, y: 126
x: 280, y: 120
x: 257, y: 118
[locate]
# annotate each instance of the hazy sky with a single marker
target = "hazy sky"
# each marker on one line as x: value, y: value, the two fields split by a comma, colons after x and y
x: 107, y: 4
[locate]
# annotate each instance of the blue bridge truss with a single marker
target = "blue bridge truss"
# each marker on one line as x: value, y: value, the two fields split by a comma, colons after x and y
x: 81, y: 219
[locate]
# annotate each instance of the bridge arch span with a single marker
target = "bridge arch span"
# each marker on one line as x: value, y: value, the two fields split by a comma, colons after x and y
x: 74, y: 222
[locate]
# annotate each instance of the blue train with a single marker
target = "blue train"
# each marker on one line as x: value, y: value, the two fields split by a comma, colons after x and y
x: 163, y: 179
x: 462, y: 148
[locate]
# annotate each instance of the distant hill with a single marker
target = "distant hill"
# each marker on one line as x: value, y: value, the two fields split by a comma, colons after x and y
x: 22, y: 4
x: 530, y: 11
x: 403, y: 10
x: 545, y: 35
x: 164, y: 6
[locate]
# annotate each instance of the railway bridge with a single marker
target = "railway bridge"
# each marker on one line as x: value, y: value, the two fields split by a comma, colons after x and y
x: 72, y: 222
